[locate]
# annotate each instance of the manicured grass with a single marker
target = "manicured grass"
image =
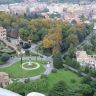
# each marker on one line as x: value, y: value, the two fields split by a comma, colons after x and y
x: 66, y: 76
x: 15, y: 70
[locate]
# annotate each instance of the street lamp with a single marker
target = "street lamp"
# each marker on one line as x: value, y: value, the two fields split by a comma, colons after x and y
x: 21, y: 53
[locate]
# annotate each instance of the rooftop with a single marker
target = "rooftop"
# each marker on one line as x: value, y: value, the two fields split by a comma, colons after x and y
x: 35, y: 94
x: 4, y: 92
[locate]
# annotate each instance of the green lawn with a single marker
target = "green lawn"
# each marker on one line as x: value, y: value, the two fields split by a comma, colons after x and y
x: 15, y: 70
x: 66, y: 76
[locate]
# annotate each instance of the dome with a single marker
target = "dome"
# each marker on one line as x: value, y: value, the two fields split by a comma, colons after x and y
x: 35, y: 94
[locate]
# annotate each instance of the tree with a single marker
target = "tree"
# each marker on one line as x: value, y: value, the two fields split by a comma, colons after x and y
x: 17, y: 87
x: 5, y: 57
x: 47, y: 43
x: 93, y: 41
x: 83, y: 18
x: 57, y: 60
x: 26, y: 46
x: 73, y: 39
x: 87, y: 69
x: 59, y: 89
x: 27, y: 52
x: 74, y: 92
x: 40, y: 85
x: 85, y: 89
x: 86, y: 80
x: 93, y: 85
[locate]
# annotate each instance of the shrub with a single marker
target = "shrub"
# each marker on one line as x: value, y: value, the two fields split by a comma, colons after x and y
x: 27, y: 52
x: 43, y: 76
x: 25, y: 88
x: 66, y: 68
x: 17, y: 87
x: 5, y: 57
x: 26, y: 45
x: 57, y: 61
x: 59, y: 89
x: 27, y: 80
x: 37, y: 86
x: 73, y: 80
x: 54, y: 70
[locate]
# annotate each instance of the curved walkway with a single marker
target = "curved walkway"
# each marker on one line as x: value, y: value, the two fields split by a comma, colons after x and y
x: 12, y: 61
x: 48, y: 70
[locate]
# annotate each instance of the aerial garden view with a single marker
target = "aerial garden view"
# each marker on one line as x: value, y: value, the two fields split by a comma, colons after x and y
x: 42, y: 58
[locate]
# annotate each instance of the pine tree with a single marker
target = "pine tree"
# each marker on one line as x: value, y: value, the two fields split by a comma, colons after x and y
x: 59, y: 89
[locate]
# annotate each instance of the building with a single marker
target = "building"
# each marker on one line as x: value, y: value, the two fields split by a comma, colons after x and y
x: 12, y: 32
x: 4, y: 79
x: 4, y: 92
x: 3, y: 33
x: 94, y: 28
x: 71, y: 17
x: 86, y: 60
x: 18, y: 9
x: 35, y: 94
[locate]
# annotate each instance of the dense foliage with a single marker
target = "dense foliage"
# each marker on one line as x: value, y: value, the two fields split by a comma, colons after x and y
x: 33, y: 86
x: 57, y: 59
x: 4, y: 58
x: 50, y: 32
x: 59, y: 89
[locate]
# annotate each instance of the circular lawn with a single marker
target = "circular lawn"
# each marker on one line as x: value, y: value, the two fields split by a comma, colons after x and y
x: 16, y: 71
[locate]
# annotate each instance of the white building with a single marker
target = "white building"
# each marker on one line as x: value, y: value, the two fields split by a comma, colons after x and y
x: 94, y: 28
x: 18, y: 9
x: 86, y: 60
x: 35, y: 94
x: 4, y: 92
x: 3, y: 33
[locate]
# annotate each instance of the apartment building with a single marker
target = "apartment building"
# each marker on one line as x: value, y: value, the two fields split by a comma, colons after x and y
x: 3, y: 33
x: 86, y: 60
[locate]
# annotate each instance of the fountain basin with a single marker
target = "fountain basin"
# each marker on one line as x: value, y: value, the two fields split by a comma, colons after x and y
x: 32, y: 66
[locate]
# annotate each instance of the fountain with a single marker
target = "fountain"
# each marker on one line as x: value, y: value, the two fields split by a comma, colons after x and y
x: 30, y: 65
x: 30, y: 62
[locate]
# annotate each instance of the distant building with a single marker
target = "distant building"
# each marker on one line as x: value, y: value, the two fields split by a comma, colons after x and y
x: 18, y: 9
x: 3, y: 33
x: 4, y: 79
x: 86, y: 60
x: 12, y: 32
x: 45, y: 15
x: 94, y: 17
x: 71, y: 17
